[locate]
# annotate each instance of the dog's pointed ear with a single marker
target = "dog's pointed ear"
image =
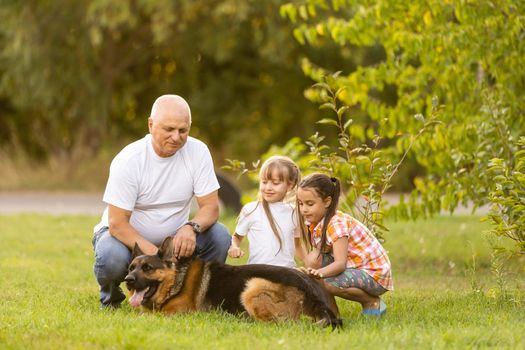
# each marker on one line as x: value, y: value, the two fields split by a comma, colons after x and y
x: 137, y: 251
x: 166, y: 249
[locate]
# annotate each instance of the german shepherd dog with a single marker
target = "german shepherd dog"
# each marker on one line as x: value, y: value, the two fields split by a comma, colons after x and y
x: 264, y: 292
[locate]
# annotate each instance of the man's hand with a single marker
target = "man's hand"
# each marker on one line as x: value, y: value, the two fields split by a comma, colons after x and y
x: 235, y: 252
x: 184, y: 241
x: 149, y: 249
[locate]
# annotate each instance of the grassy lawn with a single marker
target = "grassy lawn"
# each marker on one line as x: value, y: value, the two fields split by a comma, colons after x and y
x: 446, y: 297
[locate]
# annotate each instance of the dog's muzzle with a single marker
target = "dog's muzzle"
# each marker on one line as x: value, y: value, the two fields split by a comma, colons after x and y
x: 129, y: 279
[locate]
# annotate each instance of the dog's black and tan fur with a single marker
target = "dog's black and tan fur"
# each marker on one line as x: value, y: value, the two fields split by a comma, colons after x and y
x: 269, y: 293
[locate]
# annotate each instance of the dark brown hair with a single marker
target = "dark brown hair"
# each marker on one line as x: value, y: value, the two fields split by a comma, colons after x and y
x: 324, y: 186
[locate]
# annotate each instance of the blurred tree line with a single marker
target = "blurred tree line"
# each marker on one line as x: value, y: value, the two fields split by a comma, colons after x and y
x: 78, y: 76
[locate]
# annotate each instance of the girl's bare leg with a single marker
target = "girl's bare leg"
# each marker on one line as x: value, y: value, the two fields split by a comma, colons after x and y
x: 355, y: 294
x: 367, y: 301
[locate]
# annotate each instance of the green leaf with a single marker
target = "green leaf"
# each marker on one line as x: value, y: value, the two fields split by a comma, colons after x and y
x: 420, y: 117
x: 298, y: 35
x: 341, y: 111
x: 362, y: 159
x: 382, y: 227
x: 347, y: 124
x: 435, y: 102
x: 327, y: 105
x: 327, y: 121
x: 322, y: 86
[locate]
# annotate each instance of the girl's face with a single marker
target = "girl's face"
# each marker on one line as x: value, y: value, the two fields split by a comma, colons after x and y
x: 273, y: 189
x: 311, y: 206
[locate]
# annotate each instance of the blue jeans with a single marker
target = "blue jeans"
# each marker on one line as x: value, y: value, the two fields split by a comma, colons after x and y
x: 112, y: 258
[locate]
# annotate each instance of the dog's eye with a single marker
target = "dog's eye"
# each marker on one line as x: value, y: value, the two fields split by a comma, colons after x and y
x: 146, y: 268
x: 131, y: 267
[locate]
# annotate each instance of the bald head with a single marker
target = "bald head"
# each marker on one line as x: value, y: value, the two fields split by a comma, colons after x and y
x: 170, y: 105
x: 169, y: 124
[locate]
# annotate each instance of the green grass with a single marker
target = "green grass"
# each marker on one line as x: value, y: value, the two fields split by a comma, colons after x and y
x: 50, y: 297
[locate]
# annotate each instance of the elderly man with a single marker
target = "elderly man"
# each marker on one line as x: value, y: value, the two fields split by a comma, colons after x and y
x: 149, y: 191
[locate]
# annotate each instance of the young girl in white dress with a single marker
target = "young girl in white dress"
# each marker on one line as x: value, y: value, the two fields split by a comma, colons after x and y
x: 271, y: 222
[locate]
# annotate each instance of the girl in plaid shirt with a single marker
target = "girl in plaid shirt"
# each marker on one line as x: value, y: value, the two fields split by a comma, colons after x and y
x: 344, y: 253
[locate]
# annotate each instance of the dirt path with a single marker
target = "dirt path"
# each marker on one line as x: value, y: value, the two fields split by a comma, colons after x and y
x: 56, y: 203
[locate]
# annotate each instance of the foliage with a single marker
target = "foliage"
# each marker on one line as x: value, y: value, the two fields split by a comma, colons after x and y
x: 50, y: 298
x: 366, y: 168
x: 78, y: 75
x: 464, y: 54
x: 365, y: 171
x: 507, y: 195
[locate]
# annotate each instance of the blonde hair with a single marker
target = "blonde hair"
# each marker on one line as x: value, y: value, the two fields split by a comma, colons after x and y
x: 286, y: 170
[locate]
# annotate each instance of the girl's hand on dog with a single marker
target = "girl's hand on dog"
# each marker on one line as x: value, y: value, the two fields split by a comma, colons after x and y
x: 311, y: 272
x: 235, y: 252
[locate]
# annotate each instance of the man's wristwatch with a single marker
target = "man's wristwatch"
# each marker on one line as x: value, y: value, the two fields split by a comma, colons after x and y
x: 196, y: 227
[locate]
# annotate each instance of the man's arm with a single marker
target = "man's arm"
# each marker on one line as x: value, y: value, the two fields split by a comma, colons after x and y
x: 185, y: 242
x: 121, y: 229
x: 208, y: 212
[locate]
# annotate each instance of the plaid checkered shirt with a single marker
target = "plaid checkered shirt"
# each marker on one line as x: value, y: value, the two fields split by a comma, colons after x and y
x: 365, y: 252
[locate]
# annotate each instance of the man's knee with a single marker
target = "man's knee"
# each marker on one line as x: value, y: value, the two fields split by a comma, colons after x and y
x: 111, y: 259
x: 213, y: 244
x: 219, y: 235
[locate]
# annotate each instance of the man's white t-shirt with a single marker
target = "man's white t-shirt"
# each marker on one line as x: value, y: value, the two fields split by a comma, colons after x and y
x: 158, y: 191
x: 263, y: 245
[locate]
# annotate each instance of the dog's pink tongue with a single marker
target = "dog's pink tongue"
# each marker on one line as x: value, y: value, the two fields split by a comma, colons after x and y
x: 136, y: 298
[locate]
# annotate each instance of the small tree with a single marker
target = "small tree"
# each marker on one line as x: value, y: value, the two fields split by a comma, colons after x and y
x: 467, y: 55
x: 507, y: 196
x: 366, y: 170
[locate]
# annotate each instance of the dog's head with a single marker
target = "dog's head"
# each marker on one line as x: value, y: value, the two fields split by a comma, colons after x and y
x: 147, y: 274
